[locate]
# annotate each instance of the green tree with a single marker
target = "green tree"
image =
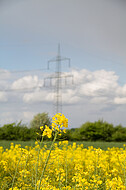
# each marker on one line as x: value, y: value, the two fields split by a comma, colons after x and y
x: 41, y: 119
x: 8, y: 131
x: 98, y: 130
x: 119, y: 133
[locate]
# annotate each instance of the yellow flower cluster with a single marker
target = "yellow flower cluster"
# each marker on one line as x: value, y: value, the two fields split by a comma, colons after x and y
x: 59, y: 121
x: 46, y: 132
x: 69, y: 167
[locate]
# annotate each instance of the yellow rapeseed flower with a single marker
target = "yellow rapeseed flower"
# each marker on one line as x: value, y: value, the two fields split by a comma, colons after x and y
x: 69, y: 167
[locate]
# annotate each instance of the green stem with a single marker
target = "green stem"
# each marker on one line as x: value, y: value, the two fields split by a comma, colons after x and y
x: 59, y: 175
x: 66, y: 167
x: 47, y: 159
x: 16, y: 172
x: 36, y: 167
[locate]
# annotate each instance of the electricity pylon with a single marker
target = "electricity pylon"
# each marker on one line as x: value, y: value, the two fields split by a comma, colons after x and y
x: 57, y: 78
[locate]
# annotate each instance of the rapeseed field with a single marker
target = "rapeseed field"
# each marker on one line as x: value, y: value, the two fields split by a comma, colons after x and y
x: 62, y: 166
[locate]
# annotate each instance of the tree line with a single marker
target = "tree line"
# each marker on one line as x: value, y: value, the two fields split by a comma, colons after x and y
x: 89, y: 131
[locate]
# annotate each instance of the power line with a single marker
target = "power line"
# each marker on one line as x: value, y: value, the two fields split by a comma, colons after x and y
x: 19, y: 90
x: 22, y: 71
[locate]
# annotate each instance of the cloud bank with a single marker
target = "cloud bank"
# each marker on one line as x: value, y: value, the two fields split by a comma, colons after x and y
x: 97, y: 87
x: 98, y: 91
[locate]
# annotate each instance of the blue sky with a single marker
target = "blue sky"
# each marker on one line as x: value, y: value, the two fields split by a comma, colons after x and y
x: 91, y: 33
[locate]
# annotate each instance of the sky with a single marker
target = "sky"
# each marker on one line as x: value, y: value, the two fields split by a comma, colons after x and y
x: 90, y: 33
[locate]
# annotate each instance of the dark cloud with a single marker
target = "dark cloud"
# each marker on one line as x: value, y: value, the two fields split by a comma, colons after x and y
x: 92, y: 24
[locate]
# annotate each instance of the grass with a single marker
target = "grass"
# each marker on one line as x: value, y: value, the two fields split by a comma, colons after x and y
x: 103, y: 145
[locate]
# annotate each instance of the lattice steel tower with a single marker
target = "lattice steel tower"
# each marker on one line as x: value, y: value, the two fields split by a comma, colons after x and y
x: 57, y: 78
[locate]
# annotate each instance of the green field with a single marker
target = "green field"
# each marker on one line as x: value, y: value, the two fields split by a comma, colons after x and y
x: 103, y: 145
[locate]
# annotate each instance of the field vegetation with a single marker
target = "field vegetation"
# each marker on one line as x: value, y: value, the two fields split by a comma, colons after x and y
x: 96, y: 144
x: 62, y: 165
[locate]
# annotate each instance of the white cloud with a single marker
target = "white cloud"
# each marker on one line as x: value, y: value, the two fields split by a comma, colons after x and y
x: 119, y: 100
x: 69, y: 96
x: 38, y: 96
x: 100, y: 86
x: 82, y: 76
x: 121, y: 90
x: 4, y: 74
x: 4, y: 79
x: 99, y: 100
x: 27, y: 82
x: 101, y: 83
